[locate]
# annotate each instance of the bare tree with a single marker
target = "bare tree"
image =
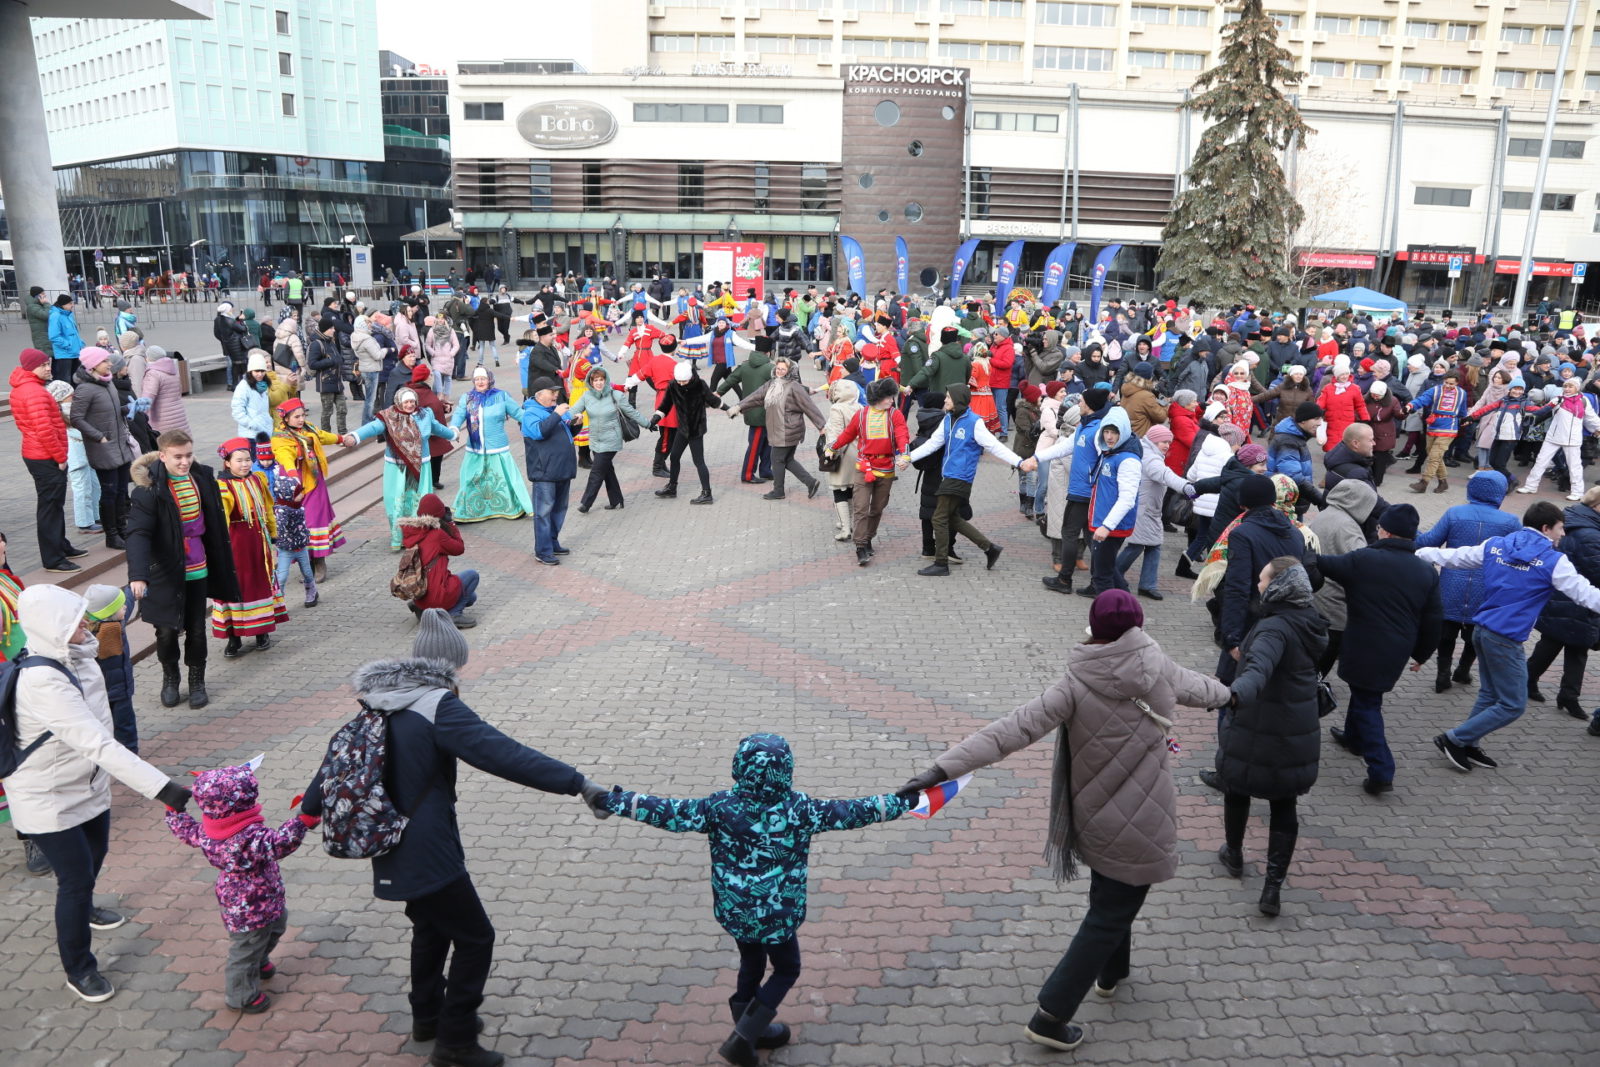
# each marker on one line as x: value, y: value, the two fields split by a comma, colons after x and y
x: 1338, y: 213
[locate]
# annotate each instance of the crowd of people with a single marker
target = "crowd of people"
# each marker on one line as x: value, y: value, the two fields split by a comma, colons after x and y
x: 1259, y: 440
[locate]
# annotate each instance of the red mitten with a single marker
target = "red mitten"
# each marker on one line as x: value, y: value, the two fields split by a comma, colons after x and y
x: 311, y: 821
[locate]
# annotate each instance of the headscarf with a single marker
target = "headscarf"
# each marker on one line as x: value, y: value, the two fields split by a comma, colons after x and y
x: 404, y: 436
x: 475, y: 401
x: 1285, y: 494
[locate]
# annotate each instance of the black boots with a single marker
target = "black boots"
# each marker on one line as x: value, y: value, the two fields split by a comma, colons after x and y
x: 1280, y: 849
x: 776, y: 1035
x: 668, y: 491
x: 740, y: 1048
x: 1185, y: 569
x: 197, y: 687
x: 234, y: 648
x: 705, y: 497
x: 1441, y: 681
x: 170, y: 679
x: 1232, y: 859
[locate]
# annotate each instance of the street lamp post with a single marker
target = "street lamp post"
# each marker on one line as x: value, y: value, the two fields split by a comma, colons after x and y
x: 1525, y: 267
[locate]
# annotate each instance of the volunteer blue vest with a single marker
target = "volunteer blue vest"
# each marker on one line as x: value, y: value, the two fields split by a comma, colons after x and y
x: 1084, y: 456
x: 1104, y: 496
x: 1514, y: 593
x: 961, y: 448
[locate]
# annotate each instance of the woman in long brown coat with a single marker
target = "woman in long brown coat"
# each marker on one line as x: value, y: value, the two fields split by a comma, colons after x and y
x: 1113, y: 806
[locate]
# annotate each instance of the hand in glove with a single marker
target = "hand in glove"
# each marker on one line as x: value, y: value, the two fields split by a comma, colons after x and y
x: 592, y: 794
x: 174, y: 796
x: 926, y: 780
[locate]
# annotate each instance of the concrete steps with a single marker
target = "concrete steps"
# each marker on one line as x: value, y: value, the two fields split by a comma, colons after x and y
x: 355, y: 486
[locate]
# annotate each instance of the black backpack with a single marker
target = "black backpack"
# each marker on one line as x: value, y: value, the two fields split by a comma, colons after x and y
x: 11, y: 756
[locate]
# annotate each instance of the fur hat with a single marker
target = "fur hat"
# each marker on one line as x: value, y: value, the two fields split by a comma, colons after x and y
x: 763, y: 343
x: 683, y: 371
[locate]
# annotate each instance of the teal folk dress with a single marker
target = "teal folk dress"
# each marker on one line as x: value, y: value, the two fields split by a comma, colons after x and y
x: 489, y: 486
x: 407, y: 475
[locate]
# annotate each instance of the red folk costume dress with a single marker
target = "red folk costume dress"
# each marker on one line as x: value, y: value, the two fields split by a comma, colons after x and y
x: 982, y: 403
x: 247, y: 504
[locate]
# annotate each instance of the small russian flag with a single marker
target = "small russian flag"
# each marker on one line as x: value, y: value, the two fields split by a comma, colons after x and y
x: 937, y: 797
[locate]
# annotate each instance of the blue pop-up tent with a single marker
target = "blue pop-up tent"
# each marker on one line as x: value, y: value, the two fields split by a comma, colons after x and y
x: 1362, y: 299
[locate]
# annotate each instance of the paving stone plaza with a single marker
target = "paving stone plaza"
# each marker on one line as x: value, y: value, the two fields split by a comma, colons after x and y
x: 1449, y: 922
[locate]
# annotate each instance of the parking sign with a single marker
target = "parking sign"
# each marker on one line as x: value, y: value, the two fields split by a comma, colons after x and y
x: 1455, y: 266
x: 1579, y: 272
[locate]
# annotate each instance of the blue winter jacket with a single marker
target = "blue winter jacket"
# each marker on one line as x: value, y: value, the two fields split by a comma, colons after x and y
x: 1517, y: 571
x: 547, y: 444
x: 1288, y: 453
x: 760, y: 836
x: 1108, y: 490
x: 1442, y: 410
x: 1563, y: 619
x: 1471, y: 523
x: 64, y: 336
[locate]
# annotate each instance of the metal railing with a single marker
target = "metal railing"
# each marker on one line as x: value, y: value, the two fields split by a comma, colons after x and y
x: 318, y: 185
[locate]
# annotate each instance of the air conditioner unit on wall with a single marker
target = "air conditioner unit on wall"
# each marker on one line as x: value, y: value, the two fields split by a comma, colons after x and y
x: 1313, y: 81
x: 1134, y: 72
x: 1474, y: 46
x: 1496, y: 92
x: 656, y: 11
x: 1297, y: 36
x: 1503, y: 47
x: 1319, y: 36
x: 1388, y: 40
x: 1135, y: 27
x: 1402, y: 87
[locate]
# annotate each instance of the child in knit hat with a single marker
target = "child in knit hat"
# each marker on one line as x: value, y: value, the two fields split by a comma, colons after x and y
x: 294, y: 539
x: 109, y: 611
x: 235, y: 839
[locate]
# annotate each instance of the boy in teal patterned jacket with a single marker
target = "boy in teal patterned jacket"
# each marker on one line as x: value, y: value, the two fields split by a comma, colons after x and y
x: 760, y: 836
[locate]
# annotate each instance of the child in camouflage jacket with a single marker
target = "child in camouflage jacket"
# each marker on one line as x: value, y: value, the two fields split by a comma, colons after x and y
x: 760, y: 836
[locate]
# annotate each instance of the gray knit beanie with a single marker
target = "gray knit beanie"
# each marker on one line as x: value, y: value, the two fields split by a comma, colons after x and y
x: 438, y: 638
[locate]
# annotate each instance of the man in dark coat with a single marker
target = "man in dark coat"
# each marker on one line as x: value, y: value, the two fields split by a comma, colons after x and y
x: 543, y: 362
x: 177, y: 565
x: 552, y: 464
x: 430, y: 729
x: 947, y: 365
x: 1352, y: 457
x: 1392, y: 601
x: 229, y: 330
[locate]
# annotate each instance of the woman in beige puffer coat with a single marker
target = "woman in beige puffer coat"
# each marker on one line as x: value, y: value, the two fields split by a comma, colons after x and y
x: 845, y: 400
x: 1112, y: 800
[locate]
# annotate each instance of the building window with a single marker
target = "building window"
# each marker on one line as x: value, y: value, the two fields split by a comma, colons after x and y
x: 1462, y: 31
x: 680, y: 112
x: 769, y: 44
x: 1077, y: 15
x: 1553, y: 35
x: 715, y: 42
x: 1144, y: 58
x: 811, y: 46
x: 1328, y: 68
x: 1591, y: 82
x: 1436, y: 196
x: 672, y: 42
x: 1545, y: 79
x: 961, y: 7
x: 1529, y: 147
x: 1417, y: 75
x: 1333, y: 24
x: 1045, y: 58
x: 901, y: 49
x: 286, y: 64
x: 1285, y: 20
x: 1427, y: 30
x: 1597, y: 213
x: 281, y: 18
x: 1154, y: 16
x: 960, y: 50
x: 1002, y: 53
x: 1372, y: 27
x: 1516, y: 34
x: 287, y: 102
x: 1454, y: 75
x: 1005, y: 9
x: 1366, y: 72
x: 909, y: 7
x: 1190, y: 16
x: 1511, y: 79
x: 542, y: 193
x: 592, y: 189
x: 1188, y: 60
x: 979, y: 191
x: 1010, y: 120
x: 1513, y: 200
x: 768, y: 113
x: 483, y: 112
x: 813, y: 187
x: 763, y: 197
x: 691, y: 187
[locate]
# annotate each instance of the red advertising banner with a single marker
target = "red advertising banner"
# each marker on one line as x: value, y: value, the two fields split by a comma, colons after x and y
x: 1441, y: 259
x: 738, y: 264
x: 1551, y: 270
x: 1346, y: 260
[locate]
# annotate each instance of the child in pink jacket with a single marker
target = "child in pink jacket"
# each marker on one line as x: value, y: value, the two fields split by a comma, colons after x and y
x: 235, y: 838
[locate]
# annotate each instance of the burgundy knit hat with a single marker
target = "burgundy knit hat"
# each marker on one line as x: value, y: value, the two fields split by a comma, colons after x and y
x: 33, y: 359
x: 1113, y: 613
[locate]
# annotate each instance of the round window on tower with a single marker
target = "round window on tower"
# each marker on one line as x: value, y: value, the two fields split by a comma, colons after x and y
x: 865, y: 180
x: 947, y: 112
x: 883, y: 216
x: 913, y: 211
x: 915, y: 148
x: 887, y: 113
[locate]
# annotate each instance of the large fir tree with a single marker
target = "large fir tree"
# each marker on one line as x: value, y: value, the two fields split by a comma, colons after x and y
x: 1226, y: 238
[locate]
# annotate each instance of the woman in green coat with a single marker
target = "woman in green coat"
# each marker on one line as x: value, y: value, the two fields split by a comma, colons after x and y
x: 605, y: 406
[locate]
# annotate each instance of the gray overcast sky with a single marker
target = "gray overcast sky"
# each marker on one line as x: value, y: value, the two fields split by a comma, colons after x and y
x: 424, y: 32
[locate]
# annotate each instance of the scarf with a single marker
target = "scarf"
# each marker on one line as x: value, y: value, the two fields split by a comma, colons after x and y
x: 224, y: 827
x: 10, y: 589
x: 1573, y: 405
x: 193, y: 524
x: 1062, y: 849
x: 1216, y: 564
x: 405, y: 440
x: 475, y: 402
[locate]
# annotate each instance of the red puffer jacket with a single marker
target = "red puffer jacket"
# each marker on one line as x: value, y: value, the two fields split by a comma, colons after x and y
x: 435, y: 541
x: 38, y: 417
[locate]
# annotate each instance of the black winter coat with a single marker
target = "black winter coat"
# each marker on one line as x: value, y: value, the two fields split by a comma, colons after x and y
x: 1226, y: 486
x: 329, y: 363
x: 691, y: 398
x: 1393, y: 605
x: 1265, y: 534
x: 1562, y: 618
x: 430, y: 729
x: 155, y: 542
x: 1269, y: 742
x: 234, y: 339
